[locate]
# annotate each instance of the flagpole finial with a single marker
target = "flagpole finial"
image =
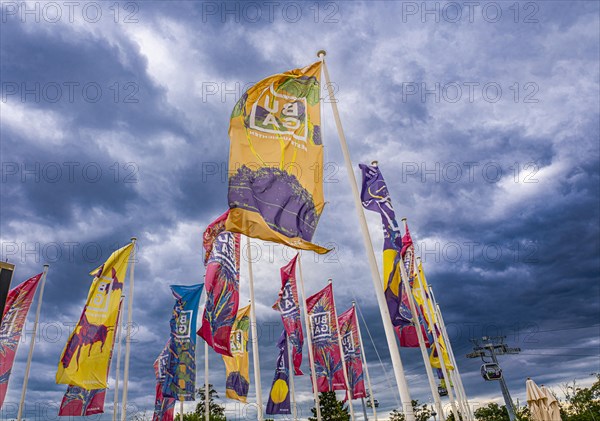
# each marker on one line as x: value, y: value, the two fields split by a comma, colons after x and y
x: 353, y: 303
x: 46, y: 265
x: 330, y: 280
x: 374, y: 163
x: 403, y: 219
x: 321, y: 53
x: 133, y: 239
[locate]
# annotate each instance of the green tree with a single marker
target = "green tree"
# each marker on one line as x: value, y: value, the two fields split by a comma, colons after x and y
x: 581, y: 404
x: 492, y: 412
x: 422, y: 412
x: 216, y: 412
x: 331, y: 408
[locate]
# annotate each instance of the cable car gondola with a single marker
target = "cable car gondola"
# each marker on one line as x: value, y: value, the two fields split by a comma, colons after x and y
x: 491, y: 371
x: 442, y: 391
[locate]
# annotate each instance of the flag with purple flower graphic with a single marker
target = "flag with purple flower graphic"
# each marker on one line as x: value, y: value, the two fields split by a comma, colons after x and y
x: 376, y: 197
x: 180, y: 367
x: 15, y: 314
x: 222, y: 260
x: 279, y: 398
x: 288, y: 306
x: 352, y: 352
x: 237, y: 383
x: 276, y: 160
x: 326, y: 350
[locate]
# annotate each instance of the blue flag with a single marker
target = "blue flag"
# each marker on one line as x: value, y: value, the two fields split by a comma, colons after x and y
x: 180, y: 367
x: 279, y: 398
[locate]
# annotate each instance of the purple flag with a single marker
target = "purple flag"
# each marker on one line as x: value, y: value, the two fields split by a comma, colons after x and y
x: 279, y: 398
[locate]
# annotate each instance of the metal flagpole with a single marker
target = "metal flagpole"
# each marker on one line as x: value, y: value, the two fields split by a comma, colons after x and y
x: 440, y: 318
x: 362, y: 400
x: 118, y: 368
x: 206, y: 385
x: 255, y: 358
x: 32, y: 341
x: 311, y: 357
x: 343, y: 355
x: 444, y: 370
x: 180, y: 408
x: 128, y: 335
x: 364, y: 359
x: 417, y: 325
x: 376, y: 277
x: 291, y: 378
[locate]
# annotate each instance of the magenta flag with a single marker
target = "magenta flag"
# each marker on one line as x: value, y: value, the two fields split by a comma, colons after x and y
x: 352, y: 352
x: 328, y: 360
x: 288, y: 306
x: 14, y: 317
x: 222, y: 260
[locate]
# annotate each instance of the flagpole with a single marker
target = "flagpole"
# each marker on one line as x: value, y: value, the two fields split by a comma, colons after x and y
x: 206, y: 386
x: 180, y: 408
x: 443, y: 367
x: 364, y: 358
x: 32, y: 341
x: 311, y: 357
x: 376, y: 277
x: 291, y: 377
x: 343, y: 355
x: 118, y: 368
x: 128, y: 334
x: 255, y: 358
x: 415, y: 316
x: 451, y: 353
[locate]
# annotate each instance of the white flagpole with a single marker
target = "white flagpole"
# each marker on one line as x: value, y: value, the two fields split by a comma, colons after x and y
x: 180, y: 408
x: 128, y: 334
x: 376, y: 277
x: 417, y: 325
x: 32, y: 341
x: 118, y: 368
x: 256, y: 362
x: 291, y: 378
x: 343, y: 355
x: 311, y: 357
x: 364, y: 358
x: 206, y: 386
x: 451, y: 353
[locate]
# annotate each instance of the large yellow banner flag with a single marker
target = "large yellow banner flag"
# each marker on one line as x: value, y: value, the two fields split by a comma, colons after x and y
x: 422, y: 297
x: 238, y: 376
x: 434, y: 358
x: 85, y: 359
x: 276, y: 160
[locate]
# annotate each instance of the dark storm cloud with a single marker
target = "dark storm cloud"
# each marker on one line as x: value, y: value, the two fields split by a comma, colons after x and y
x: 542, y: 284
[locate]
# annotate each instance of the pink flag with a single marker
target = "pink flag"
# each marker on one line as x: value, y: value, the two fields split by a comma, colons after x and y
x: 326, y: 350
x: 288, y: 306
x: 222, y: 260
x: 14, y: 317
x: 352, y: 352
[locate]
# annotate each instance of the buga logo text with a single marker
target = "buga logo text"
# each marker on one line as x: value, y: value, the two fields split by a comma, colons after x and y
x: 101, y: 299
x: 183, y: 324
x: 320, y: 326
x: 287, y: 304
x: 236, y: 342
x: 285, y: 115
x: 348, y: 343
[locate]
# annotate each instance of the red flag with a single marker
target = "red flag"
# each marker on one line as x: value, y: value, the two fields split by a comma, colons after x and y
x: 81, y: 402
x: 408, y: 336
x: 222, y: 260
x: 288, y: 306
x: 326, y: 350
x: 352, y: 352
x: 14, y: 317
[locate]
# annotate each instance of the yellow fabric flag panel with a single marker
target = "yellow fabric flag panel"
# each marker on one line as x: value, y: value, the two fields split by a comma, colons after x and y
x: 276, y: 160
x: 237, y: 383
x: 86, y: 357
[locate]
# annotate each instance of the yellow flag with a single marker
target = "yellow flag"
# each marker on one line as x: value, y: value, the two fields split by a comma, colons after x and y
x: 238, y: 377
x: 276, y: 160
x: 434, y: 356
x: 423, y: 299
x: 84, y: 361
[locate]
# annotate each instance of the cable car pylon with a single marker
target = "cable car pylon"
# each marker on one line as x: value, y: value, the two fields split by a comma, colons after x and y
x: 491, y: 347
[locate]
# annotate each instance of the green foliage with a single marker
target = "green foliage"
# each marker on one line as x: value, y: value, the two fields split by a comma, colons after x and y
x: 581, y: 404
x: 422, y: 412
x: 492, y: 412
x: 216, y: 412
x: 331, y: 408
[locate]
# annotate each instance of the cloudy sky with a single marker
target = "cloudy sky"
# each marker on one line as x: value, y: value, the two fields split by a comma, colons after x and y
x: 484, y: 119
